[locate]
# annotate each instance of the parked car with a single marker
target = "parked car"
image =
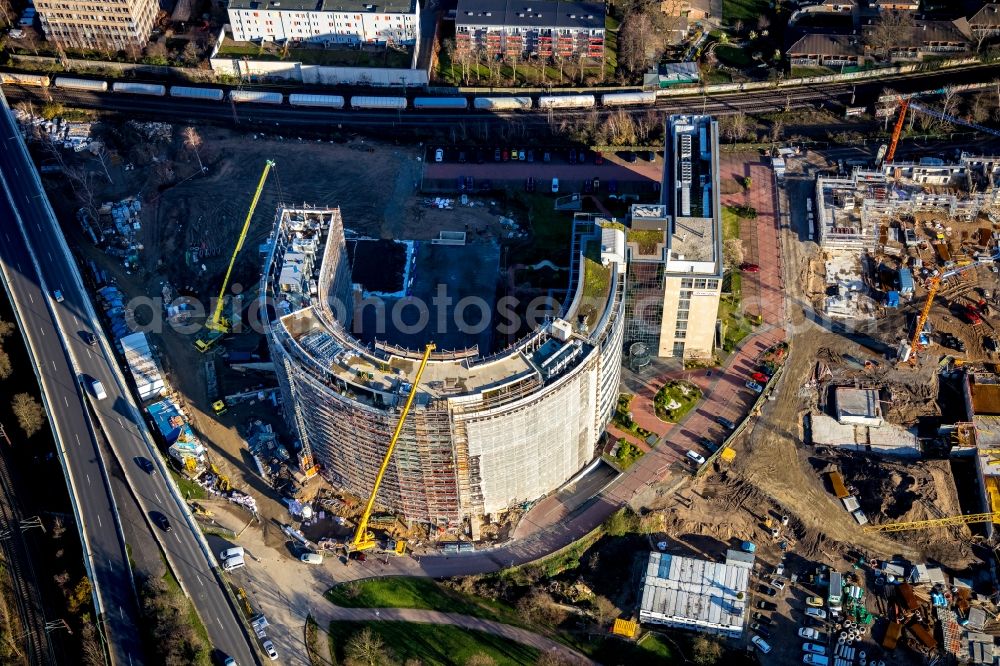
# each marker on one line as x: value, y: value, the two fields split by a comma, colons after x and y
x: 522, y: 156
x: 778, y: 583
x: 813, y: 648
x: 630, y: 157
x: 763, y: 631
x: 815, y: 660
x: 754, y: 386
x: 767, y: 605
x: 760, y: 377
x: 769, y: 591
x: 311, y: 558
x: 817, y: 613
x: 809, y: 633
x: 761, y: 644
x: 505, y: 155
x: 572, y: 155
x: 651, y: 155
x: 696, y: 458
x: 145, y: 464
x: 815, y: 602
x: 749, y: 268
x: 268, y: 646
x: 497, y: 155
x: 708, y: 444
x: 461, y: 157
x: 555, y: 185
x: 763, y: 619
x: 725, y: 423
x: 546, y: 156
x: 439, y: 155
x: 531, y: 156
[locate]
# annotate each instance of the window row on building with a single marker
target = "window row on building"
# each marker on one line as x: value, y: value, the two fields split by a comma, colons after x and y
x: 546, y: 29
x: 325, y: 23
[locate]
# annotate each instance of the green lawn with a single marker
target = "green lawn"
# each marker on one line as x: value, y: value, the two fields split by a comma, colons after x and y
x: 733, y: 56
x: 344, y: 57
x: 622, y: 419
x: 730, y: 223
x: 433, y: 644
x: 685, y: 394
x: 423, y: 593
x: 744, y: 10
x: 610, y: 46
x: 646, y: 239
x: 649, y: 651
x: 189, y: 489
x: 551, y: 232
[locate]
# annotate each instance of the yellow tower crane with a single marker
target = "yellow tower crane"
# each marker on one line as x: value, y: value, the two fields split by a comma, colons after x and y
x: 217, y: 325
x: 934, y: 522
x: 363, y: 538
x: 933, y: 285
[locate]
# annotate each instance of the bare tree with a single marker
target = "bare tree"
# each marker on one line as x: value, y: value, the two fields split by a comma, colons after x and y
x: 29, y: 413
x: 190, y: 55
x: 156, y: 50
x: 888, y: 30
x: 734, y: 126
x: 103, y: 156
x: 732, y: 254
x: 6, y: 368
x: 603, y: 609
x: 705, y: 651
x: 6, y: 11
x: 448, y: 51
x: 192, y: 142
x: 777, y: 130
x: 366, y: 648
x: 480, y: 659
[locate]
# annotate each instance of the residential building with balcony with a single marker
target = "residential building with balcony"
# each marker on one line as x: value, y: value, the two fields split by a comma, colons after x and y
x: 523, y: 28
x: 114, y: 25
x: 325, y: 22
x: 834, y: 51
x: 986, y: 22
x: 674, y: 248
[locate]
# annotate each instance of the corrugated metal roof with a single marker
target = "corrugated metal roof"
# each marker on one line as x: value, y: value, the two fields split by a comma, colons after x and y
x: 686, y: 590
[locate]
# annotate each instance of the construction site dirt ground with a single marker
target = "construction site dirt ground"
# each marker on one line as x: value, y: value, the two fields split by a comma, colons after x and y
x: 374, y: 185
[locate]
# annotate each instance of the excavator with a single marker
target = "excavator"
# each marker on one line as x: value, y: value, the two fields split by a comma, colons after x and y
x: 217, y: 325
x: 364, y: 539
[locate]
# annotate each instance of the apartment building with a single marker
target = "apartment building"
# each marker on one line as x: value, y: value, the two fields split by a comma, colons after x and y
x: 675, y: 248
x: 522, y: 28
x: 325, y: 21
x: 486, y: 433
x: 97, y: 24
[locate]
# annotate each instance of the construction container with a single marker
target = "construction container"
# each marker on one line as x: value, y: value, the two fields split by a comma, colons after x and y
x: 456, y: 103
x: 140, y: 89
x: 256, y: 96
x: 566, y: 102
x: 71, y: 83
x: 905, y: 282
x: 328, y: 101
x: 398, y: 103
x: 214, y: 94
x: 624, y: 99
x: 24, y: 79
x: 502, y: 103
x: 837, y: 483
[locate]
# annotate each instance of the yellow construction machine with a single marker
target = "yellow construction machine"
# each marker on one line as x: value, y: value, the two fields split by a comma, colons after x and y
x: 364, y: 539
x: 217, y: 325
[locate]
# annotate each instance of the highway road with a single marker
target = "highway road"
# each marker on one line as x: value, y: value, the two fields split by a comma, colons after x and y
x: 835, y: 95
x: 61, y: 355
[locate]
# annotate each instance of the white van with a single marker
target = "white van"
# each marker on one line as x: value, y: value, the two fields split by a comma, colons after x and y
x: 97, y: 388
x: 311, y: 558
x: 815, y: 660
x: 229, y: 553
x: 234, y: 563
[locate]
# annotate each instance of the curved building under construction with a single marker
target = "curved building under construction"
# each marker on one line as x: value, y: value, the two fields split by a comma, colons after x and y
x: 487, y: 431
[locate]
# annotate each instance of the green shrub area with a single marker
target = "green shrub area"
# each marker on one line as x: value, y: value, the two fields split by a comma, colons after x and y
x: 675, y: 400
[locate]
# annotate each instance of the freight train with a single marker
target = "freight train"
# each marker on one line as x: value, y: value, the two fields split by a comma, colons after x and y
x: 367, y: 102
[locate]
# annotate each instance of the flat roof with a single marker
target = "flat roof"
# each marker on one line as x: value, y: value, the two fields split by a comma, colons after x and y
x: 687, y: 590
x: 373, y: 6
x: 857, y: 404
x: 531, y: 13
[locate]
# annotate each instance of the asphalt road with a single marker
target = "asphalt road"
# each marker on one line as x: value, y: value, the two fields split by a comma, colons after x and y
x: 54, y: 332
x: 835, y: 95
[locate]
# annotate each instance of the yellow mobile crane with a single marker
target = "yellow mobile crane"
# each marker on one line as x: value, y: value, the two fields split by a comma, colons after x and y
x: 217, y: 325
x: 363, y: 538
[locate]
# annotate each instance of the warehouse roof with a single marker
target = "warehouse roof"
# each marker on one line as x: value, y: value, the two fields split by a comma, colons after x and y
x: 376, y: 6
x: 531, y: 13
x: 689, y: 591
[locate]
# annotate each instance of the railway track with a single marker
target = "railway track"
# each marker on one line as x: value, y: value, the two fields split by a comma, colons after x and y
x: 23, y: 581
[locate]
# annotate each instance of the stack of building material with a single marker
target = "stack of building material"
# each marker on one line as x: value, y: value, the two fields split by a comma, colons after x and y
x: 142, y: 364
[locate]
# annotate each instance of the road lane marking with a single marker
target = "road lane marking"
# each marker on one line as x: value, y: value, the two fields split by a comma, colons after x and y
x: 111, y: 566
x: 42, y: 330
x: 157, y: 498
x: 219, y: 622
x: 54, y: 369
x: 88, y: 479
x: 66, y: 400
x: 50, y: 256
x: 122, y: 425
x: 76, y: 320
x: 99, y: 520
x: 30, y: 297
x: 201, y: 582
x: 77, y: 439
x: 121, y: 613
x: 177, y: 537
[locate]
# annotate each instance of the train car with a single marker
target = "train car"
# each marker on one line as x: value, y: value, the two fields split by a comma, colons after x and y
x: 398, y: 103
x: 81, y: 84
x: 566, y: 102
x: 213, y: 94
x: 623, y: 99
x: 455, y: 103
x: 328, y: 101
x: 13, y: 78
x: 140, y: 89
x: 502, y: 103
x: 256, y: 96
